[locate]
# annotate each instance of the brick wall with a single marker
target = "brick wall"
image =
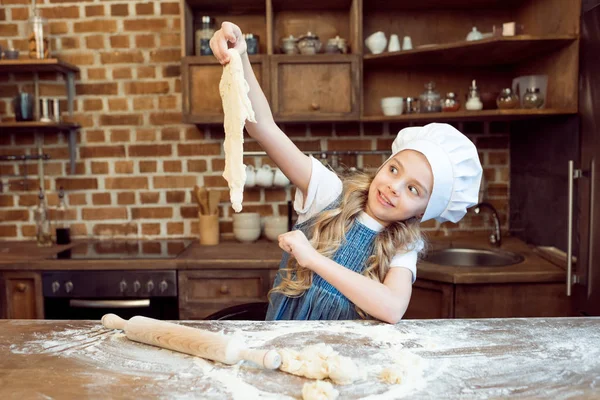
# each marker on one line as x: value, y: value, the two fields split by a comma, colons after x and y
x: 136, y: 164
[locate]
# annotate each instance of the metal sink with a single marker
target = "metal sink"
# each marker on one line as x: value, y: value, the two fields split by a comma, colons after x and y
x: 461, y: 257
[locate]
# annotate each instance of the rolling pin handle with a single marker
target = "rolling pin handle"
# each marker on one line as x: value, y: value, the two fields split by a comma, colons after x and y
x: 112, y: 321
x: 269, y: 359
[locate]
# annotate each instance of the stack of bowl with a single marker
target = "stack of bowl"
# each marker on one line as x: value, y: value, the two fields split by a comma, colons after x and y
x: 246, y: 226
x: 392, y: 105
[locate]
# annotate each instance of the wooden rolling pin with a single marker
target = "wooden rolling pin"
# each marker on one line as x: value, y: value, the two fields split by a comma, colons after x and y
x: 192, y: 341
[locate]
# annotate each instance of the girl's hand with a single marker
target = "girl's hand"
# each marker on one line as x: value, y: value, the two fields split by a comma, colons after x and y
x: 229, y: 36
x: 296, y: 243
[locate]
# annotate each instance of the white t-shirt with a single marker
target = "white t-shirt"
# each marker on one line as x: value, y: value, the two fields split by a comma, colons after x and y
x: 325, y: 187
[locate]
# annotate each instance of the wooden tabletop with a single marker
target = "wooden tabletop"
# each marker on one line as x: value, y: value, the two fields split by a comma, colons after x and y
x: 552, y: 358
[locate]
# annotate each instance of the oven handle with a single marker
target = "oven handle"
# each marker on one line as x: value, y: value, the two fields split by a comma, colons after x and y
x: 141, y: 303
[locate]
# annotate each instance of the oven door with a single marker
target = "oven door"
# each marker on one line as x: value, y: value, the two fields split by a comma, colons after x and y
x: 165, y: 308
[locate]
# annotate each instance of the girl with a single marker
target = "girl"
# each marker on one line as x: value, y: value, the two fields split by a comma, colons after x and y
x: 360, y: 261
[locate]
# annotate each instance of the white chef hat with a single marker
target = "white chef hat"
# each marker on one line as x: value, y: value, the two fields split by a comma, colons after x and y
x: 455, y: 165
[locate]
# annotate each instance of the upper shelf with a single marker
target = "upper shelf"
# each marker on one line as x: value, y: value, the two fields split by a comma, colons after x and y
x: 437, y: 4
x: 32, y: 65
x: 463, y: 115
x: 491, y: 51
x: 7, y: 127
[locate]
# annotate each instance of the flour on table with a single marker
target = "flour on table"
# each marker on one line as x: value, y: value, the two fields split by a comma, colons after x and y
x: 319, y: 390
x: 319, y: 361
x: 407, y: 366
x: 237, y: 109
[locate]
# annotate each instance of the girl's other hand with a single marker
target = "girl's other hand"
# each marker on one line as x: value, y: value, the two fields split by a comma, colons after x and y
x: 296, y: 243
x: 229, y: 36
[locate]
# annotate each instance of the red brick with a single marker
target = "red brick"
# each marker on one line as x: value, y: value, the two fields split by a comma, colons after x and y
x: 92, y: 104
x: 167, y: 55
x: 100, y: 26
x: 145, y: 135
x: 147, y: 87
x: 101, y: 199
x: 214, y: 181
x: 134, y: 56
x: 28, y: 230
x: 174, y: 228
x: 97, y: 88
x: 150, y: 150
x: 124, y: 167
x: 143, y: 103
x: 86, y: 121
x: 119, y: 10
x: 167, y: 102
x: 148, y: 24
x: 122, y: 73
x: 170, y: 134
x: 102, y: 151
x: 165, y: 118
x: 99, y: 167
x: 95, y: 136
x: 119, y: 41
x: 79, y: 59
x: 151, y: 212
x: 8, y: 230
x: 146, y: 72
x: 126, y: 198
x: 17, y: 13
x: 118, y: 105
x: 145, y: 41
x: 77, y: 183
x: 176, y: 196
x: 115, y: 229
x: 56, y: 12
x: 77, y: 199
x: 121, y: 119
x: 170, y: 71
x: 94, y: 214
x: 58, y: 28
x: 173, y: 181
x: 94, y: 42
x: 149, y: 197
x: 150, y: 229
x: 144, y: 8
x: 126, y: 183
x: 69, y: 43
x: 120, y: 135
x: 9, y: 29
x: 148, y: 166
x: 7, y: 200
x: 169, y: 8
x: 96, y: 73
x: 94, y: 11
x: 194, y: 133
x: 205, y: 149
x: 192, y: 212
x: 169, y: 39
x: 172, y: 166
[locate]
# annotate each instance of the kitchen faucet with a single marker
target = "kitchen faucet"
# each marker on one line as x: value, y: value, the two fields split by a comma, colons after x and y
x: 496, y: 236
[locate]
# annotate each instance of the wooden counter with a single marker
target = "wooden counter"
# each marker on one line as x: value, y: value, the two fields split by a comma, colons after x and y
x: 547, y: 358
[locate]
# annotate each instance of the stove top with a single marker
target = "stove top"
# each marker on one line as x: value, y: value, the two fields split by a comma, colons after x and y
x: 125, y: 249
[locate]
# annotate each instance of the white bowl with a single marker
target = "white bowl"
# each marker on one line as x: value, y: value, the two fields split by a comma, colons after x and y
x: 276, y: 222
x: 391, y: 101
x: 392, y: 110
x: 246, y: 235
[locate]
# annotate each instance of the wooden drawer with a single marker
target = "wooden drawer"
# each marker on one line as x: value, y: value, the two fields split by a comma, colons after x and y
x: 22, y: 295
x: 200, y: 87
x: 323, y: 87
x: 203, y: 292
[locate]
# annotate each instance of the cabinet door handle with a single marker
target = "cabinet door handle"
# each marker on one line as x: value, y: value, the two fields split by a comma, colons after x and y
x: 573, y: 174
x: 21, y: 287
x: 590, y: 259
x: 315, y: 106
x: 224, y: 289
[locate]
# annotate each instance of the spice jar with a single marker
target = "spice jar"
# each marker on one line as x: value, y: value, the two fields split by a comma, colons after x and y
x: 507, y: 100
x: 429, y: 100
x: 38, y: 35
x: 309, y: 44
x: 203, y: 35
x: 450, y: 102
x: 473, y: 100
x: 251, y: 43
x: 533, y: 98
x: 412, y: 105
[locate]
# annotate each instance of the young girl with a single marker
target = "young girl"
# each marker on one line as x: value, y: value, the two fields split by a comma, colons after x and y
x: 354, y: 250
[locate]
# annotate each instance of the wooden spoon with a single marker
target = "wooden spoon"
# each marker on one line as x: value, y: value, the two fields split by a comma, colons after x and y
x: 202, y: 195
x: 214, y: 196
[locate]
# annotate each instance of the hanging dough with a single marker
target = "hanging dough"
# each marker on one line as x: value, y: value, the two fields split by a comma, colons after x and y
x: 237, y: 108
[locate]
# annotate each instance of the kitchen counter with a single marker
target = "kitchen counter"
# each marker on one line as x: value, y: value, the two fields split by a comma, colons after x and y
x: 23, y: 256
x: 553, y: 358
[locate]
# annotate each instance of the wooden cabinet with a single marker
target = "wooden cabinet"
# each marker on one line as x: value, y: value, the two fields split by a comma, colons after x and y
x: 315, y: 88
x: 22, y: 292
x: 311, y: 88
x: 431, y: 300
x: 204, y: 292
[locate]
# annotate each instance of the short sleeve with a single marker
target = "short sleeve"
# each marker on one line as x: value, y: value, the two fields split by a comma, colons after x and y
x: 408, y: 259
x: 324, y: 187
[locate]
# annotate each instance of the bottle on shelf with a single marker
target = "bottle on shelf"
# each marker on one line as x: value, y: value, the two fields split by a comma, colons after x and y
x: 474, y: 101
x: 63, y: 231
x: 42, y: 222
x: 38, y: 34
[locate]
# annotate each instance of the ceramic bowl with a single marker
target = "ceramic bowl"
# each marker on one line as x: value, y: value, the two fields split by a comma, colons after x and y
x: 246, y: 234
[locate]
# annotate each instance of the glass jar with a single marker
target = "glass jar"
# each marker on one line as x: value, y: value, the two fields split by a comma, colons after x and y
x: 203, y: 35
x: 429, y: 100
x: 412, y: 105
x: 251, y: 43
x: 533, y: 98
x: 507, y: 100
x: 450, y: 102
x: 38, y: 35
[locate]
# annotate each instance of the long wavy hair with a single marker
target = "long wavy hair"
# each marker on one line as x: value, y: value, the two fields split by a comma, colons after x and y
x: 329, y: 232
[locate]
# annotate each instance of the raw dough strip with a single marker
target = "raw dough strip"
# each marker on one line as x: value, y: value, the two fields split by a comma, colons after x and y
x: 237, y: 108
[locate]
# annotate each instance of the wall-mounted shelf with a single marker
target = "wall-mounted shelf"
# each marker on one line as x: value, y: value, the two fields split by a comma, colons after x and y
x: 470, y: 115
x: 28, y: 65
x: 37, y: 126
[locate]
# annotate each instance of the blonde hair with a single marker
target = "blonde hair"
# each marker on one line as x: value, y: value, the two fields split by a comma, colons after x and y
x: 329, y: 232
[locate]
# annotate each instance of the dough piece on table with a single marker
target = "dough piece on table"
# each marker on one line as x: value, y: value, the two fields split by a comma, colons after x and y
x: 319, y: 361
x: 237, y: 109
x: 407, y: 367
x: 392, y: 375
x: 319, y: 390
